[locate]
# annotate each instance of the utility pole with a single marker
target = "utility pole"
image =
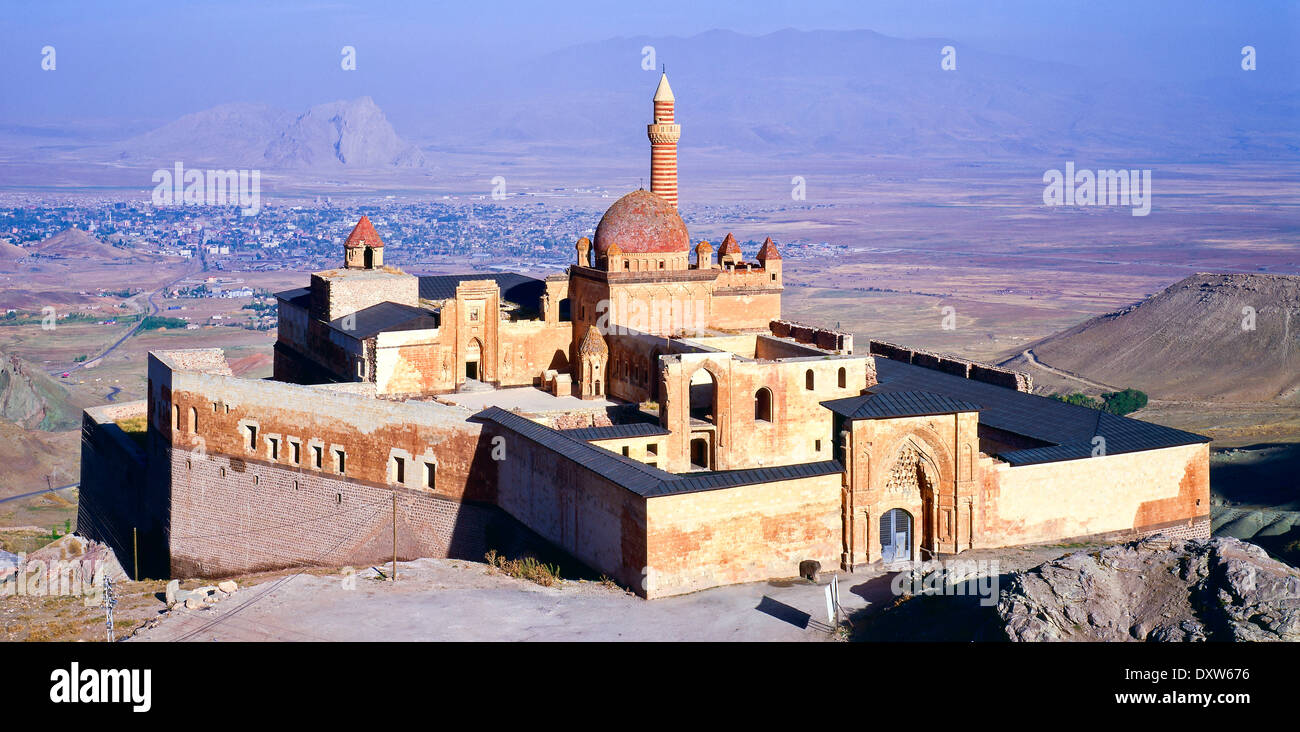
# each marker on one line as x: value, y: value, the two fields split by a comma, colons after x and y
x: 135, y: 554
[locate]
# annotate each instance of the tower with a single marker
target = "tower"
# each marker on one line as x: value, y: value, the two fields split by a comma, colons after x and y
x: 664, y: 133
x: 363, y: 248
x: 770, y: 259
x: 593, y: 355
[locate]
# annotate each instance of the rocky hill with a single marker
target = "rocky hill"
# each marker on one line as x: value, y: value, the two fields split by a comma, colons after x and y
x: 77, y: 243
x: 31, y: 399
x: 1192, y: 341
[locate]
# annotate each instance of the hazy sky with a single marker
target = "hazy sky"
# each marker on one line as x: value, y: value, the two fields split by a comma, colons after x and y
x: 153, y: 61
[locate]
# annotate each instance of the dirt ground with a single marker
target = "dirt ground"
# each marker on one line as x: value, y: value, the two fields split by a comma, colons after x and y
x: 456, y: 600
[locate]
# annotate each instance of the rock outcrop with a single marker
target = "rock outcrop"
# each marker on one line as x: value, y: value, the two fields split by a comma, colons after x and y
x: 33, y: 400
x: 1156, y: 589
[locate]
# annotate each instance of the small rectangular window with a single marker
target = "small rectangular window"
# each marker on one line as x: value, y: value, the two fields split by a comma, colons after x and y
x: 275, y: 447
x: 430, y: 472
x: 627, y: 451
x: 318, y: 456
x: 652, y: 448
x: 817, y: 445
x: 295, y: 452
x: 252, y: 437
x: 399, y: 470
x: 340, y: 459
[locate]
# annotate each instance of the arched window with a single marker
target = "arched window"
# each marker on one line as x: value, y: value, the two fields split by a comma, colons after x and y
x: 194, y: 420
x: 763, y: 405
x: 844, y: 378
x: 808, y: 380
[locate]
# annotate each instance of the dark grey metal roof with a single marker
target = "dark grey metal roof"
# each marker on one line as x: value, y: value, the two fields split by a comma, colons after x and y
x: 615, y: 431
x: 1069, y: 427
x: 898, y: 404
x: 519, y: 289
x: 300, y: 296
x: 385, y: 316
x: 639, y: 477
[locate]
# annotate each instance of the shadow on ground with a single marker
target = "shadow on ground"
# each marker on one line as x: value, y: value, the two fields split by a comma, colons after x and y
x: 924, y: 618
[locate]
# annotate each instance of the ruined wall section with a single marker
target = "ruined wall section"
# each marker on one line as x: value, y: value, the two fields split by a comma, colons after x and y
x: 826, y: 339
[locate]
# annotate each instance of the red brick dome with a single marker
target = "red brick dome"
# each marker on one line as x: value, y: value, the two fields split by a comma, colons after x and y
x: 642, y: 223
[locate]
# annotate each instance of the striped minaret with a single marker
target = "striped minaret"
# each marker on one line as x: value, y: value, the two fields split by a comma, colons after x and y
x: 664, y: 132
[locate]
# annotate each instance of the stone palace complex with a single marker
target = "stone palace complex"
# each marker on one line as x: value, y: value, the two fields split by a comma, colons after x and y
x: 648, y: 412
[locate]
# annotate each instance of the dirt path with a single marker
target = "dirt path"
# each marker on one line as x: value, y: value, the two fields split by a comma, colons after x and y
x: 1032, y: 358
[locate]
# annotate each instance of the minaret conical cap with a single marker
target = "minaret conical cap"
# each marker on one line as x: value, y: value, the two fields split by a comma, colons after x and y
x: 664, y: 93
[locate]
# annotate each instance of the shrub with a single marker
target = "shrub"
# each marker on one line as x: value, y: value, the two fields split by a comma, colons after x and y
x: 526, y: 568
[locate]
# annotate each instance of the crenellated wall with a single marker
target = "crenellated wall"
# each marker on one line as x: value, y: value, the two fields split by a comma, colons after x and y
x: 996, y: 375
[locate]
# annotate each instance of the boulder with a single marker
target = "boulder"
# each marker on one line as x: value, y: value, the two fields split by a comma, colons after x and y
x: 181, y: 596
x: 228, y: 587
x: 193, y: 603
x: 1158, y: 589
x: 172, y: 588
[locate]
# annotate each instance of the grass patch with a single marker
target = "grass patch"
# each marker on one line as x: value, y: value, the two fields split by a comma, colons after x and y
x: 135, y: 428
x: 526, y: 568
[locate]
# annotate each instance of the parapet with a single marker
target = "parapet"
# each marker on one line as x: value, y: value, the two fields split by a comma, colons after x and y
x: 196, y: 360
x: 823, y: 338
x: 995, y: 375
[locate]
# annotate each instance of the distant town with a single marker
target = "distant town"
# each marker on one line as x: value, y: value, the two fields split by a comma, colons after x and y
x: 537, y: 237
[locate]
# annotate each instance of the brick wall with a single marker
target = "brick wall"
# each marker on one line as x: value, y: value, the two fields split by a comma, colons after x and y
x: 232, y: 515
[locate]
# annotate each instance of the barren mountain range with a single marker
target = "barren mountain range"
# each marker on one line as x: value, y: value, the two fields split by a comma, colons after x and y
x: 788, y: 93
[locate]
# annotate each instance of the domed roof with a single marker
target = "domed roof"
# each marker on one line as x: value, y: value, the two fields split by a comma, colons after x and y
x: 641, y: 223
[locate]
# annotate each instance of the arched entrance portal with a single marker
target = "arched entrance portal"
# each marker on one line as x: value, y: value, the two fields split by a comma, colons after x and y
x: 473, y: 355
x: 896, y: 536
